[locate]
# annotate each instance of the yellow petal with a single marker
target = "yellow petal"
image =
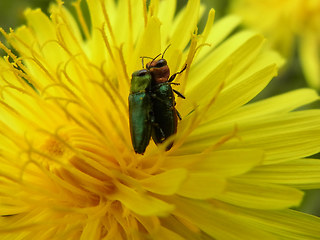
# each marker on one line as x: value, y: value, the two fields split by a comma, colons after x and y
x: 242, y: 92
x: 202, y: 186
x: 286, y: 224
x: 25, y: 34
x: 186, y: 24
x: 219, y: 224
x: 219, y: 163
x: 302, y: 173
x: 166, y: 14
x: 141, y: 203
x: 11, y: 209
x: 92, y: 229
x: 166, y: 183
x: 310, y: 60
x: 280, y: 104
x: 220, y: 30
x: 229, y: 162
x: 207, y: 27
x: 297, y: 135
x: 67, y: 30
x: 240, y: 48
x: 283, y: 137
x: 185, y: 229
x: 40, y: 24
x: 95, y: 6
x: 165, y: 233
x: 250, y: 194
x: 149, y: 45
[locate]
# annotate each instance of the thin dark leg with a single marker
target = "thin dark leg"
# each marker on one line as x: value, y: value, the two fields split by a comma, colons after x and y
x: 179, y: 94
x: 178, y: 114
x: 175, y: 74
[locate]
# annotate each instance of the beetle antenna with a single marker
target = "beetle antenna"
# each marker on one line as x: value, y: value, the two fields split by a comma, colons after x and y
x: 154, y: 58
x: 165, y: 50
x: 142, y: 60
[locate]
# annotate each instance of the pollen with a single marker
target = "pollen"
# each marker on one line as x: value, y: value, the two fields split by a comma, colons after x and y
x: 53, y: 147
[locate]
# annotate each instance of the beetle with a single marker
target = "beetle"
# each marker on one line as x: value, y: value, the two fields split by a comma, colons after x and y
x: 165, y: 114
x: 140, y: 110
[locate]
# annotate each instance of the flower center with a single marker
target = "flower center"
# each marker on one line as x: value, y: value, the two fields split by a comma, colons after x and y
x: 54, y: 148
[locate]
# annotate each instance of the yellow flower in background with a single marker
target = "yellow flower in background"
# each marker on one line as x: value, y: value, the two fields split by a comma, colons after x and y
x: 288, y: 24
x: 67, y: 166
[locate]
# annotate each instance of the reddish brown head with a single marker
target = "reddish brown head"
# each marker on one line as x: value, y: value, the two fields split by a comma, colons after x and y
x: 159, y: 70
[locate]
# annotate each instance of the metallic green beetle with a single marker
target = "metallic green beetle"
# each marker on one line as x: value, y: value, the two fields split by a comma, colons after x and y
x: 163, y: 101
x: 140, y: 110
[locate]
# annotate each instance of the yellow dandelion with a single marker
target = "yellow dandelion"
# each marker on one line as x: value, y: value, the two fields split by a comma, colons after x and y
x: 288, y: 23
x: 67, y: 166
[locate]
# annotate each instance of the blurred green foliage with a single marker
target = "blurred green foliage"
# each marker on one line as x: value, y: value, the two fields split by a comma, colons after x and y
x: 11, y: 12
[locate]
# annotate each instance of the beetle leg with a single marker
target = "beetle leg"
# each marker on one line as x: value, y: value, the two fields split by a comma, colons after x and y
x: 178, y: 114
x: 175, y: 74
x: 161, y: 100
x: 162, y: 133
x: 179, y: 94
x: 153, y: 95
x: 156, y: 125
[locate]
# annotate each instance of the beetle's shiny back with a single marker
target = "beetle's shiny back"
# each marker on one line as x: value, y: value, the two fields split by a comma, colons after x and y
x: 140, y: 81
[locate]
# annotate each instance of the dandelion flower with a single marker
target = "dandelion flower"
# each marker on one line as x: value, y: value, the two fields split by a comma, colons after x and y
x: 67, y: 166
x: 288, y: 23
